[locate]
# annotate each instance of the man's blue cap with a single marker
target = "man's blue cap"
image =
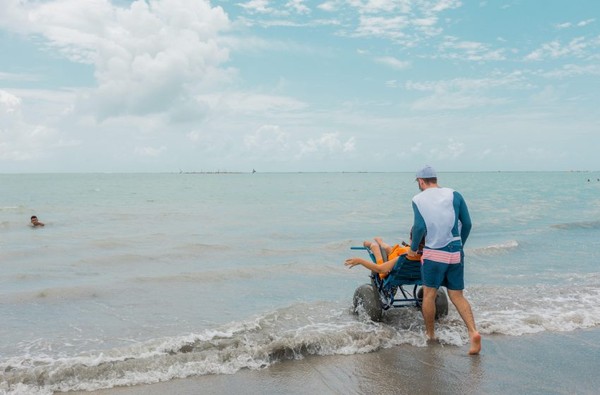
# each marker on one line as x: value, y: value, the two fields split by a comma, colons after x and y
x: 426, y: 172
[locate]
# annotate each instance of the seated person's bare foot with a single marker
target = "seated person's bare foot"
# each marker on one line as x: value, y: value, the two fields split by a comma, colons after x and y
x: 475, y: 344
x: 367, y: 244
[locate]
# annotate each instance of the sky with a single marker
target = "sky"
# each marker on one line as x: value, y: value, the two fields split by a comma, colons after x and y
x: 299, y: 86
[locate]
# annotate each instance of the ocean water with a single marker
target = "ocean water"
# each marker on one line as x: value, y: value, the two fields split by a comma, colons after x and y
x: 140, y: 278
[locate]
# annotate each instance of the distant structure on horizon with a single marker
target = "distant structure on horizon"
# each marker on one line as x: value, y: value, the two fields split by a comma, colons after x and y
x: 214, y: 172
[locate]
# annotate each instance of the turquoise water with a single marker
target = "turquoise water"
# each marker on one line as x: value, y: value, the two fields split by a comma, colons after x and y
x: 143, y: 277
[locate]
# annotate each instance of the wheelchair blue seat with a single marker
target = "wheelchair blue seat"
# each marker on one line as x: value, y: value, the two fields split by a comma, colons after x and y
x: 404, y: 272
x: 388, y: 292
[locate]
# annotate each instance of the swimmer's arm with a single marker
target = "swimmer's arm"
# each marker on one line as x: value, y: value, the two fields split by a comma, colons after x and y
x: 385, y: 267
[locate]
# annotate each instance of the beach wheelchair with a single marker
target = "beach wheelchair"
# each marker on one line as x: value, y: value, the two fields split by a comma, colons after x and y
x: 402, y: 287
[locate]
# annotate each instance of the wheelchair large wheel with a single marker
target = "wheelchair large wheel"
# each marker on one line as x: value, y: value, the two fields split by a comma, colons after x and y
x: 367, y: 296
x: 441, y: 302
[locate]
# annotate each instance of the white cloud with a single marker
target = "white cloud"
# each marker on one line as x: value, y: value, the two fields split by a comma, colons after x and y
x: 272, y: 143
x: 9, y: 103
x: 194, y: 136
x: 554, y: 49
x: 329, y: 6
x: 21, y: 140
x: 416, y: 148
x: 567, y: 25
x: 586, y: 22
x: 406, y: 22
x: 18, y: 77
x: 468, y: 84
x: 145, y: 57
x: 455, y: 101
x: 250, y: 103
x: 298, y: 6
x: 570, y: 70
x: 425, y: 22
x: 563, y: 25
x: 149, y: 151
x: 384, y: 27
x: 166, y: 93
x: 327, y: 143
x: 267, y: 138
x: 463, y: 93
x: 377, y: 6
x: 455, y: 148
x: 393, y: 62
x: 443, y: 5
x: 350, y: 145
x: 451, y: 150
x: 484, y: 154
x: 453, y: 48
x: 259, y: 7
x: 548, y: 95
x: 391, y: 84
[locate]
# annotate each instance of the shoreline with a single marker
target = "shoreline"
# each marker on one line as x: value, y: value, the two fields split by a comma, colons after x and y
x: 542, y: 363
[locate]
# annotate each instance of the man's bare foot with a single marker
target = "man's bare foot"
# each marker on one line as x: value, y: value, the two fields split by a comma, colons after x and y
x: 475, y: 344
x: 367, y: 244
x: 378, y: 239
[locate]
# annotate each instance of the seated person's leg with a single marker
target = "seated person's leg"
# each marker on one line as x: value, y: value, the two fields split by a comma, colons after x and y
x: 388, y: 248
x: 375, y: 250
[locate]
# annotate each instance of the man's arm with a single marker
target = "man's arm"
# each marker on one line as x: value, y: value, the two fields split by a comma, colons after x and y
x: 418, y: 229
x: 464, y: 218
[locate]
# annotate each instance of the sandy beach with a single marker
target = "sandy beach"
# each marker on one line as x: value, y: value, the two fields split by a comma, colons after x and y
x: 546, y: 363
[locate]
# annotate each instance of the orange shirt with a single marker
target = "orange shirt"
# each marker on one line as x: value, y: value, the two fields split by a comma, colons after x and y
x: 395, y: 253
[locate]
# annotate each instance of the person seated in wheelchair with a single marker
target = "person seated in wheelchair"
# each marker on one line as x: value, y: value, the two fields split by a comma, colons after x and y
x: 393, y: 254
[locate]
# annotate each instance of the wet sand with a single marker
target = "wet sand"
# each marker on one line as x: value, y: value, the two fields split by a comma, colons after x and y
x: 546, y: 363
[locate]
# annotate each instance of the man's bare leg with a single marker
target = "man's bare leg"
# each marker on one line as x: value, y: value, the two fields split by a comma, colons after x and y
x: 464, y: 309
x: 428, y: 310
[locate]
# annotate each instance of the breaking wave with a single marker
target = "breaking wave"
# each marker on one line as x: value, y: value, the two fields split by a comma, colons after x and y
x: 494, y: 249
x: 319, y: 328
